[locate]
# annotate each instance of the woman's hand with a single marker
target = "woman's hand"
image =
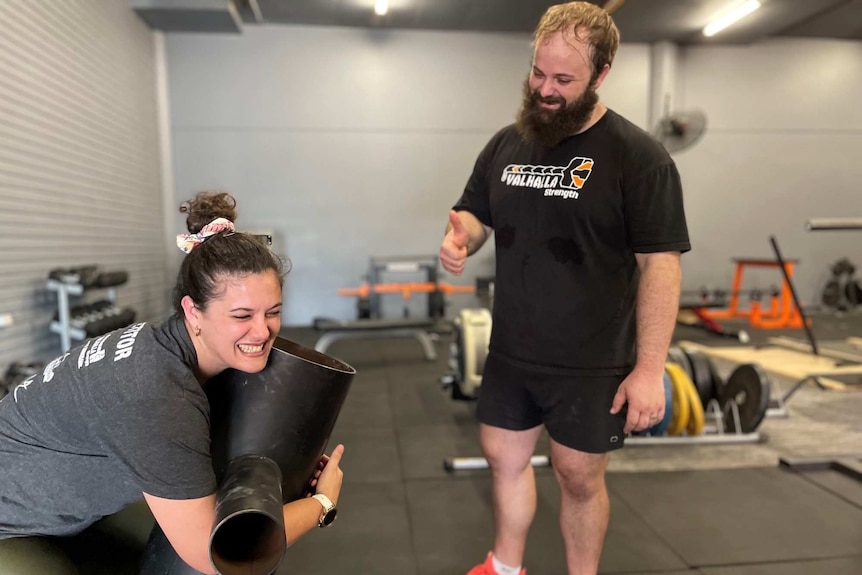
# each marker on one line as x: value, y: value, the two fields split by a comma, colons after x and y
x: 312, y: 484
x: 328, y: 475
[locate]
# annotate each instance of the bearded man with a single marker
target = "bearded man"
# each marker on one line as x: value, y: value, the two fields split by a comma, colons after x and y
x: 589, y: 226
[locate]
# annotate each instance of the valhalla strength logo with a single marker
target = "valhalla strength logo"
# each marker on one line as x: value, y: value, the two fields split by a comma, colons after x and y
x: 563, y: 182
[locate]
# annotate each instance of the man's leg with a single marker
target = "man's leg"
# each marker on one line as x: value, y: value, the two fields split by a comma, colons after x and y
x: 508, y: 454
x: 584, y: 509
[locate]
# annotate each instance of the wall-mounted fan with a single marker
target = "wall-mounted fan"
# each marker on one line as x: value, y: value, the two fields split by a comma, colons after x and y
x: 680, y: 130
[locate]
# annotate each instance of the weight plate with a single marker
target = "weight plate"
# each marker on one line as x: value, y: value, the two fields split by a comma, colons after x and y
x: 831, y: 293
x: 749, y: 387
x: 717, y: 383
x: 660, y: 428
x: 677, y: 355
x: 696, y: 419
x: 678, y: 379
x: 703, y: 375
x: 853, y: 292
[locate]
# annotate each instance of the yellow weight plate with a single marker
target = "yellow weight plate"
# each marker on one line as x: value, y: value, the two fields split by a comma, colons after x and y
x: 696, y: 417
x: 681, y: 401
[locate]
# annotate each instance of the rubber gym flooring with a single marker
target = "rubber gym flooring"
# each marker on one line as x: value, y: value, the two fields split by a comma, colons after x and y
x: 670, y: 513
x: 696, y: 510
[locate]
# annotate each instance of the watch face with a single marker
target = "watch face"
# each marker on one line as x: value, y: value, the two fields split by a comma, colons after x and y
x: 330, y: 516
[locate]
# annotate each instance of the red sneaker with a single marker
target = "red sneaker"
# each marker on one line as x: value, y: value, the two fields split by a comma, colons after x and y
x: 487, y: 568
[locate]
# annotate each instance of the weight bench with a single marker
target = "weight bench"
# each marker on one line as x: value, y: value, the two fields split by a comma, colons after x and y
x: 334, y: 330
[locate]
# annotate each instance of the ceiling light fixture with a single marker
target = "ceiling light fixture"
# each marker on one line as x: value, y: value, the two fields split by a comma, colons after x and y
x: 725, y: 20
x: 381, y: 7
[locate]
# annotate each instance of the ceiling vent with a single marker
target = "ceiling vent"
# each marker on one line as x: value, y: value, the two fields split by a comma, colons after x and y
x: 190, y: 15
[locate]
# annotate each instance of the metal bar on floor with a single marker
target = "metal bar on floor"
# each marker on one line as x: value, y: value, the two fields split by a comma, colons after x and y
x: 716, y: 439
x: 465, y: 463
x: 473, y: 463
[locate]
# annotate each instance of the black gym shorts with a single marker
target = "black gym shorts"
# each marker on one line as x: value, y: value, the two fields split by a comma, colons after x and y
x: 575, y: 409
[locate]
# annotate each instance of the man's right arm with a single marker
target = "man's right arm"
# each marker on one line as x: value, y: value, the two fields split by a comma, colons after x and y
x: 476, y: 230
x: 465, y: 234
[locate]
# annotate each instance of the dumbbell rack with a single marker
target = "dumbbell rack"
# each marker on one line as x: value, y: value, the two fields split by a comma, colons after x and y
x: 63, y: 324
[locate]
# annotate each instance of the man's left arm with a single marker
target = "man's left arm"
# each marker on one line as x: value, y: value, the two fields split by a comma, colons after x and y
x: 657, y: 309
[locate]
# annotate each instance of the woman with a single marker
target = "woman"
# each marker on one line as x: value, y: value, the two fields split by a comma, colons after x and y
x: 124, y: 415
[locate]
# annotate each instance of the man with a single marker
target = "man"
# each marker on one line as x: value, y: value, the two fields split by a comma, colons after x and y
x: 589, y: 227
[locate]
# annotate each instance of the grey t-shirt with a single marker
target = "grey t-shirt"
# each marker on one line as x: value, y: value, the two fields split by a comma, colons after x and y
x: 119, y: 415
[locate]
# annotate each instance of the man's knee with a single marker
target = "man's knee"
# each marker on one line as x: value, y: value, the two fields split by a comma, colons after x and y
x: 580, y: 475
x: 579, y: 486
x: 508, y: 452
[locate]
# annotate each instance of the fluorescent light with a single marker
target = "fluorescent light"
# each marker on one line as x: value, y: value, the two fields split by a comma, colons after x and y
x: 381, y: 7
x: 729, y: 18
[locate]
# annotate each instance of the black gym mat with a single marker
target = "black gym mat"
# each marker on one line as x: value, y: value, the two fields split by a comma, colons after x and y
x: 424, y: 447
x: 840, y: 566
x: 631, y: 545
x: 367, y: 403
x: 838, y: 483
x: 359, y: 353
x: 452, y: 522
x: 403, y: 513
x: 420, y: 400
x: 370, y: 454
x: 686, y: 572
x: 370, y: 535
x: 727, y: 517
x: 381, y: 350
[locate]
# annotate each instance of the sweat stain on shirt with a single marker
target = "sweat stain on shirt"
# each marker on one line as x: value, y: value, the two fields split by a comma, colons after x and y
x: 565, y: 251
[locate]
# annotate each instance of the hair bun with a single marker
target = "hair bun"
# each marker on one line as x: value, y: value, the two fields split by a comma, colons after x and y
x: 206, y: 207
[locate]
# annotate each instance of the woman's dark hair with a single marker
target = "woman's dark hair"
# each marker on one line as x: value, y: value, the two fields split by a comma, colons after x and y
x: 222, y: 255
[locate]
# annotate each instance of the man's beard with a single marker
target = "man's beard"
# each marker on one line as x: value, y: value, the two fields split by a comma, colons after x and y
x: 550, y: 127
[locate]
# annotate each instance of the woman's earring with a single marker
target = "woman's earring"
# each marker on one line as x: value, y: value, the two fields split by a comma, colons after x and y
x: 197, y: 330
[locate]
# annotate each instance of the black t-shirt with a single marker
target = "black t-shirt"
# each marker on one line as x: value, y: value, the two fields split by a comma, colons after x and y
x: 567, y: 223
x: 119, y: 415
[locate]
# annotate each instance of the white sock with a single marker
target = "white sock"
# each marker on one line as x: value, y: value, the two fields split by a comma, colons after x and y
x: 502, y: 569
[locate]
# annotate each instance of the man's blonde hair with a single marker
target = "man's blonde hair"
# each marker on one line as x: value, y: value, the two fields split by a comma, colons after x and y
x: 586, y: 22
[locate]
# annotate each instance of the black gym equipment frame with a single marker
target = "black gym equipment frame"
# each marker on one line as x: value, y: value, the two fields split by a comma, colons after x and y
x: 372, y: 325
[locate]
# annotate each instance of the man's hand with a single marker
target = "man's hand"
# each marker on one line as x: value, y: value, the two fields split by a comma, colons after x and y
x: 645, y: 396
x: 453, y: 250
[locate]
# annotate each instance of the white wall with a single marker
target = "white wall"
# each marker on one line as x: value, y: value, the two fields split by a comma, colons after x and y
x: 783, y: 144
x: 351, y: 143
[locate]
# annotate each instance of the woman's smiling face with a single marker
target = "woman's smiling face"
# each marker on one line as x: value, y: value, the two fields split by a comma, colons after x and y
x: 238, y: 327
